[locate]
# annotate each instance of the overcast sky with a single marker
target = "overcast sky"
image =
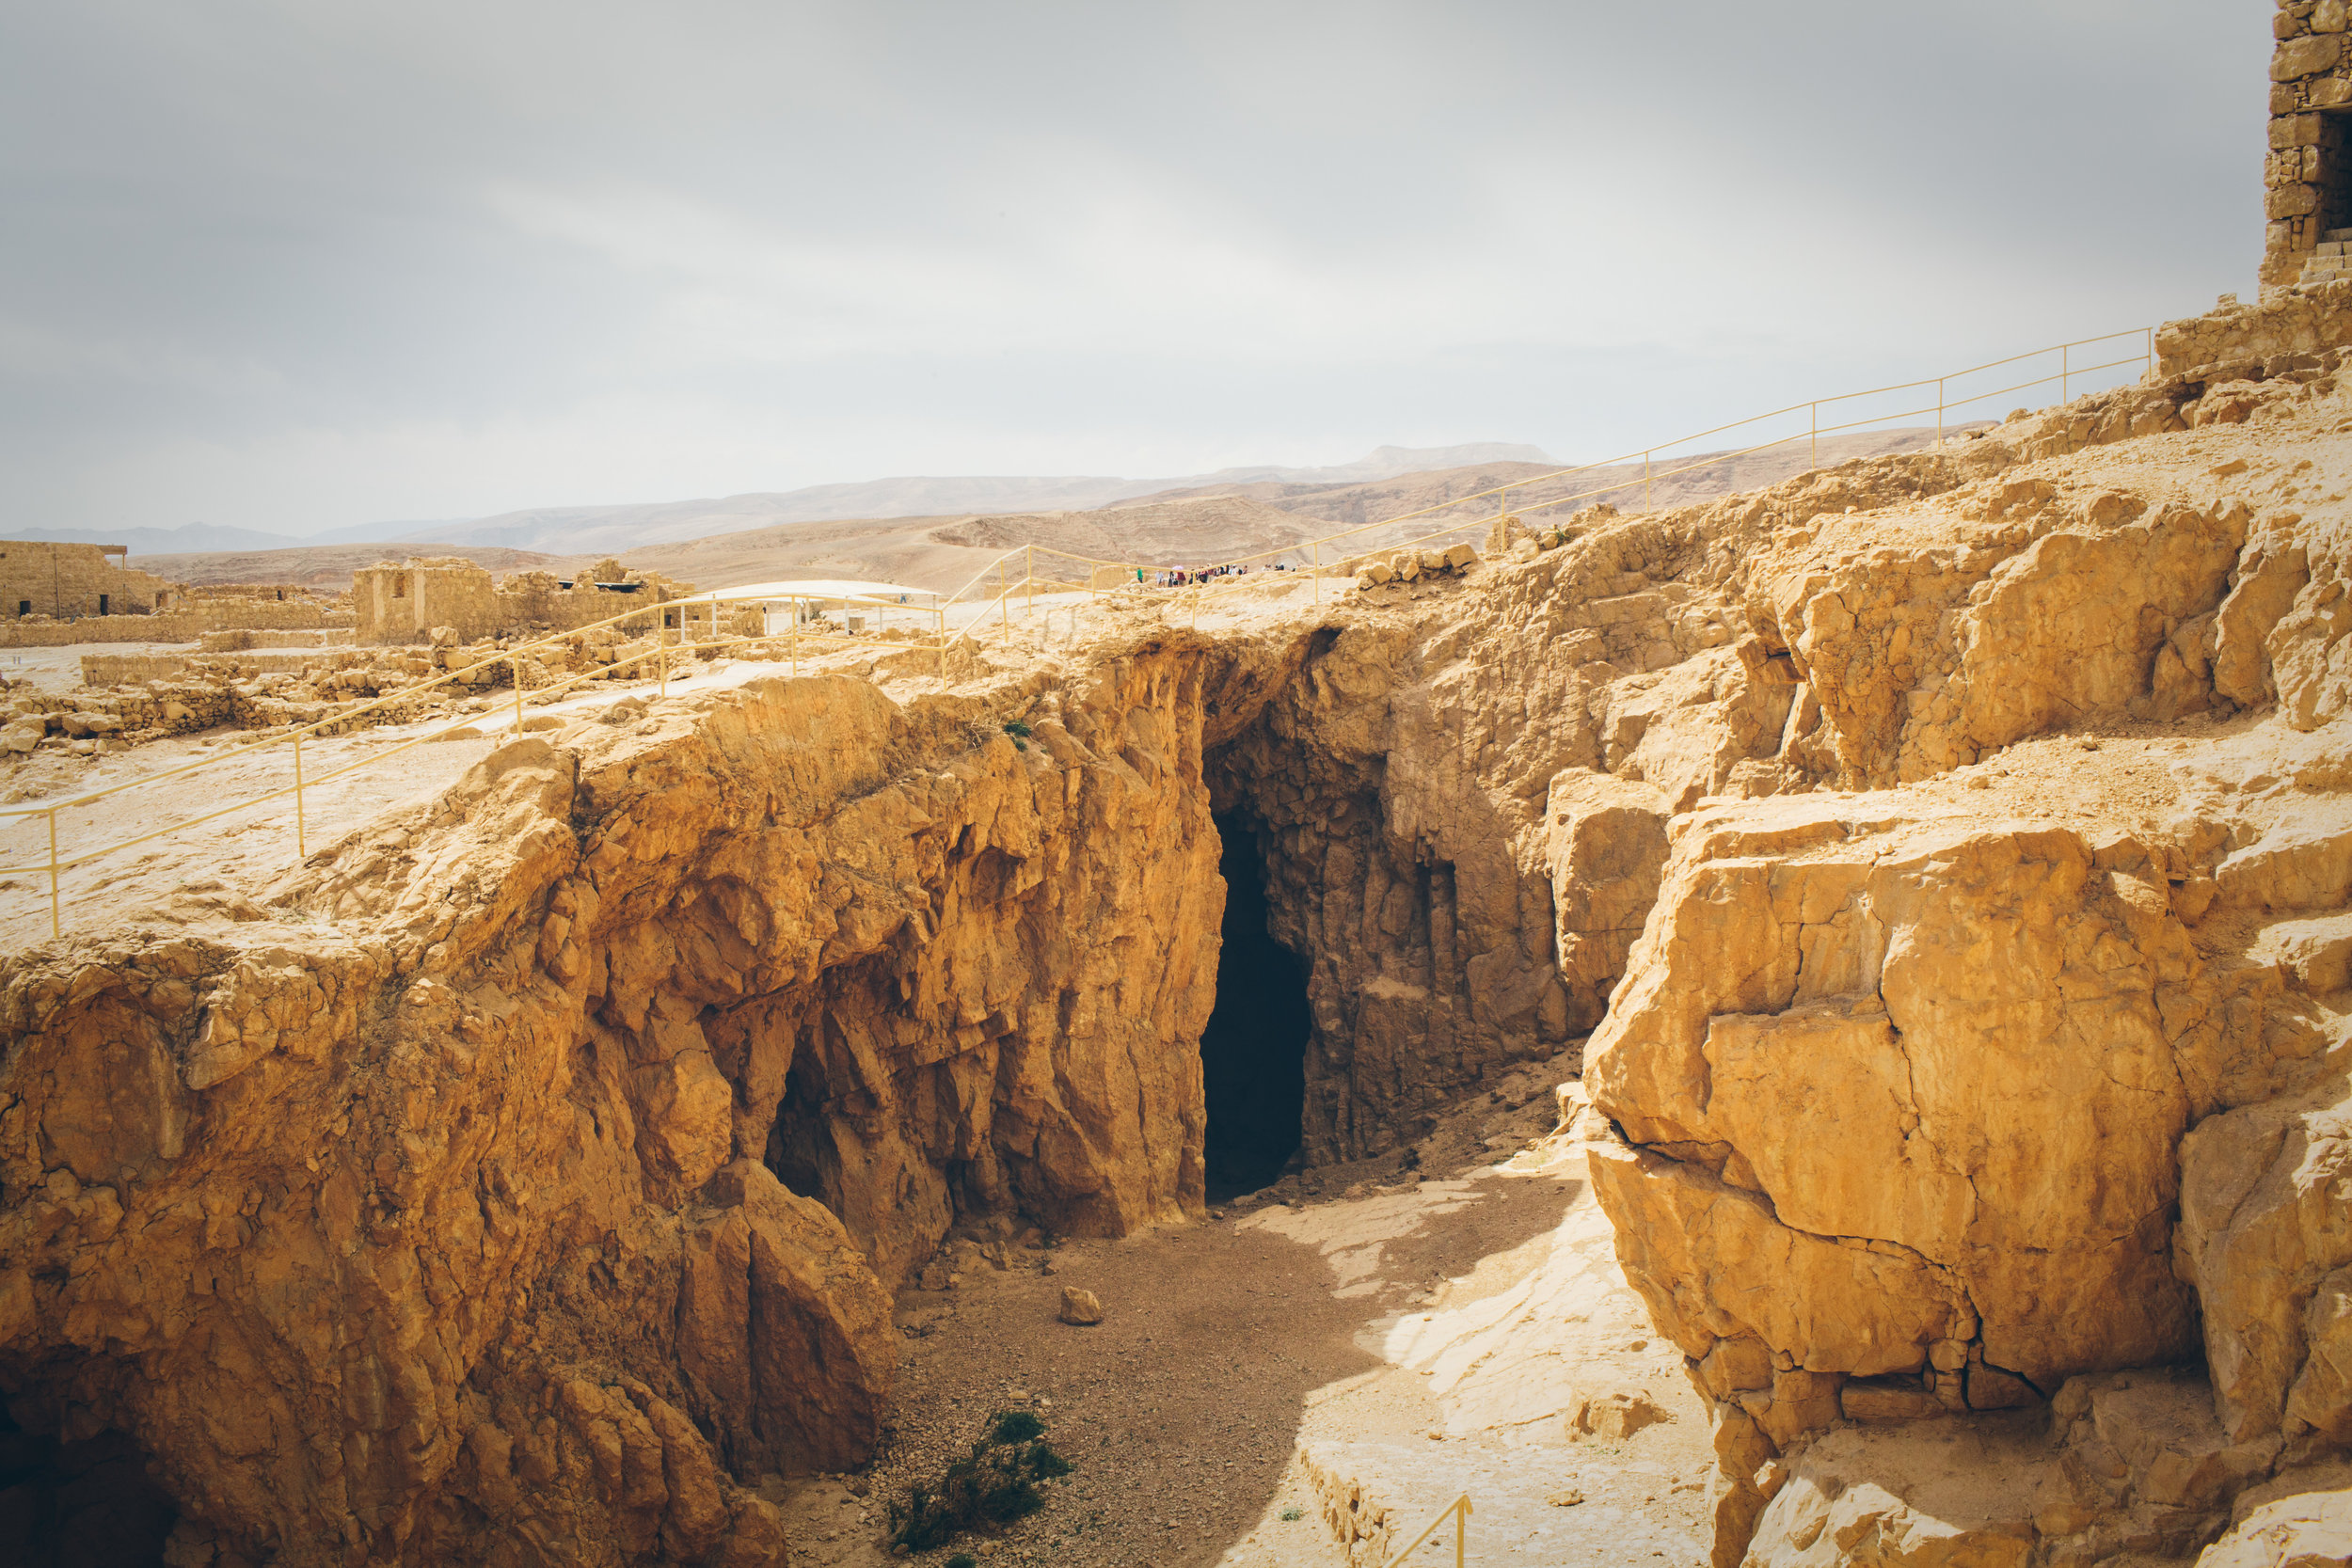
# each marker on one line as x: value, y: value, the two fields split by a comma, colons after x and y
x: 301, y: 265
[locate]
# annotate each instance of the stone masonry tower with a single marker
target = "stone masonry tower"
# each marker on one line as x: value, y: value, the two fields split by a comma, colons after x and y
x: 2307, y: 178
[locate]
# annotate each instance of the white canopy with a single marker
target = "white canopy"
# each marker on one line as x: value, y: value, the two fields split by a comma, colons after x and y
x: 816, y: 588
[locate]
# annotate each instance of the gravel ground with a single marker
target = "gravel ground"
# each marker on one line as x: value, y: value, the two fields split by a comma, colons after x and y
x: 1185, y: 1410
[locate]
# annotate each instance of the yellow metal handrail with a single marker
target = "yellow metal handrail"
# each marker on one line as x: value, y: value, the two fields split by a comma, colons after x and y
x: 2064, y: 375
x: 1459, y: 1512
x: 1199, y: 593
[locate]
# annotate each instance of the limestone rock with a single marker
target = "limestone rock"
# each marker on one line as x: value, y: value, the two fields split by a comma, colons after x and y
x: 584, y: 1051
x: 2307, y: 1523
x: 1607, y: 844
x: 2265, y: 1236
x: 1813, y: 1016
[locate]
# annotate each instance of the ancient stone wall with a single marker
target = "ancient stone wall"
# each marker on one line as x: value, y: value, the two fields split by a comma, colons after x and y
x: 400, y: 604
x: 407, y: 603
x: 2307, y: 184
x: 185, y: 625
x: 67, y: 581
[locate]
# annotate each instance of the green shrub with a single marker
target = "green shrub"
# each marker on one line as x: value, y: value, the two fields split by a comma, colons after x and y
x: 1015, y: 1426
x: 993, y: 1485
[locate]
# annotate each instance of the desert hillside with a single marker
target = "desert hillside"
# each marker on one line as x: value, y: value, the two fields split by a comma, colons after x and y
x: 692, y: 542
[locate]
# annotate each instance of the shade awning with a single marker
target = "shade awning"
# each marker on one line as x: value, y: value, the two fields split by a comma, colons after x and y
x: 815, y: 588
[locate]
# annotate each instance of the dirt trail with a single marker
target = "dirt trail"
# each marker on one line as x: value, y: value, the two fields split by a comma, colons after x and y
x: 1270, y: 1381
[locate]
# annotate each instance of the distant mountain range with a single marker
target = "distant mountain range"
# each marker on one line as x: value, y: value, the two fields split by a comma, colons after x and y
x: 576, y: 530
x: 191, y: 538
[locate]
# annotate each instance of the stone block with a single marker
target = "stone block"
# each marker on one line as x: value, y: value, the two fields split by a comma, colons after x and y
x: 2295, y: 131
x: 1991, y: 1388
x: 1892, y: 1401
x: 2291, y: 201
x: 2309, y: 56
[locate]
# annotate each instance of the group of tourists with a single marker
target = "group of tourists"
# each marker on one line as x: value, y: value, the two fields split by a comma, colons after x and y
x: 1185, y: 577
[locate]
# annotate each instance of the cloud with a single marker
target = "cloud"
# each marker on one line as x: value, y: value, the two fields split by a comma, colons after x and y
x: 295, y: 267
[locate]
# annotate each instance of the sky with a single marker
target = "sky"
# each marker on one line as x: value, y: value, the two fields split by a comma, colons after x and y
x: 298, y: 266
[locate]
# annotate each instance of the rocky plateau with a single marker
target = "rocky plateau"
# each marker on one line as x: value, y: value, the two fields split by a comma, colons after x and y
x: 1931, y: 875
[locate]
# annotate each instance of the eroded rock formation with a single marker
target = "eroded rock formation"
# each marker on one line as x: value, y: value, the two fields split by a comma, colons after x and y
x: 451, y: 1225
x: 1948, y: 855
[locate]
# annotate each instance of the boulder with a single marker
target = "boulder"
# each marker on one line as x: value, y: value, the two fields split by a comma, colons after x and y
x: 1613, y: 1417
x: 1080, y: 1307
x: 2265, y: 1235
x: 1899, y: 1082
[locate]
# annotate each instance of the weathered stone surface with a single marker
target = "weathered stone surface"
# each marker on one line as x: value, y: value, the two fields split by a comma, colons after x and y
x: 1917, y: 1496
x: 2265, y: 1235
x: 2131, y: 1462
x: 1607, y: 844
x: 1613, y: 1417
x: 577, y: 1028
x: 2301, y: 1520
x: 1941, y: 1045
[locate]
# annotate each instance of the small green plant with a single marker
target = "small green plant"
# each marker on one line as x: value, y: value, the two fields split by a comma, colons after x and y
x: 1292, y: 1514
x: 1020, y: 733
x: 991, y: 1486
x: 1016, y: 1426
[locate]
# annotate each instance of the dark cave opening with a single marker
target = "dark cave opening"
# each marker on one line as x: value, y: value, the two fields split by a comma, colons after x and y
x: 800, y: 1149
x: 89, y: 1504
x: 1253, y: 1053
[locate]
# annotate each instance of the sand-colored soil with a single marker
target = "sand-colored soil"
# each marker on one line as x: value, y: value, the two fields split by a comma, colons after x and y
x: 1377, y: 1340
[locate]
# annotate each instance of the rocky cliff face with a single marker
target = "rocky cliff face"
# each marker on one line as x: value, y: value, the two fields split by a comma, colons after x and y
x: 1948, y: 855
x: 541, y: 1174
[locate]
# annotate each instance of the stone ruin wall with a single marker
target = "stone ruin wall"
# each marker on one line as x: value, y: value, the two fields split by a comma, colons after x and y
x: 69, y: 582
x: 2307, y: 179
x: 409, y: 603
x: 187, y: 624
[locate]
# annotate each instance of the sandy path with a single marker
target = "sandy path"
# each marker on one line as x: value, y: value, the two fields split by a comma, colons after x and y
x: 1352, y: 1362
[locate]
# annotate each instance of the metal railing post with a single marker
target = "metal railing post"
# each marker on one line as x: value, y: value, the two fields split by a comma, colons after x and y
x: 55, y: 926
x: 302, y: 846
x: 1459, y: 1512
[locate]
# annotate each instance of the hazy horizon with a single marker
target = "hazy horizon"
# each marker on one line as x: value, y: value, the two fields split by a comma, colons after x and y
x: 295, y: 272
